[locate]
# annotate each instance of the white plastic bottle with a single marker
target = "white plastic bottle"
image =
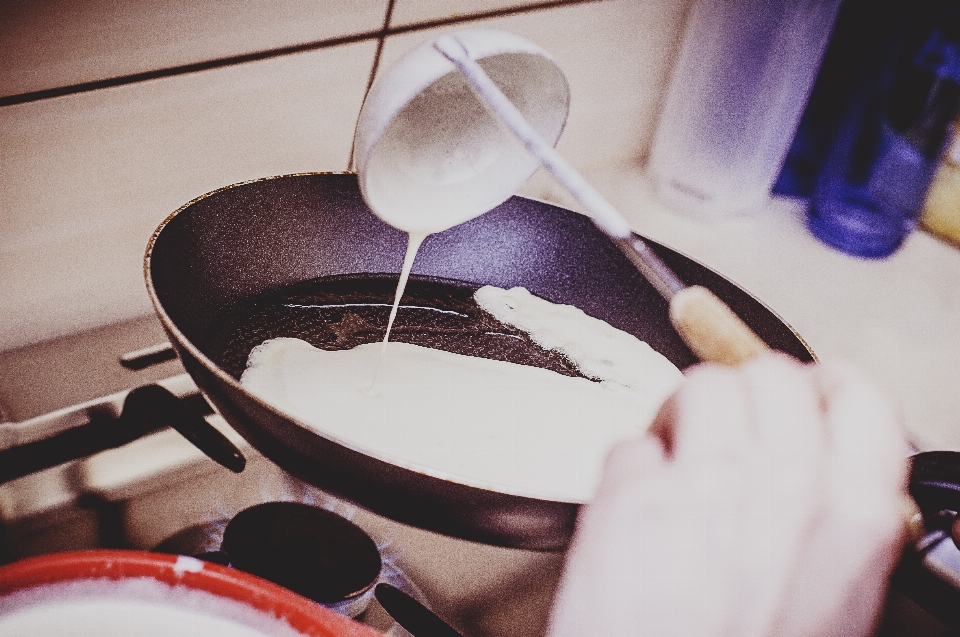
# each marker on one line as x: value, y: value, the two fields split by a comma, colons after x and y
x: 741, y: 81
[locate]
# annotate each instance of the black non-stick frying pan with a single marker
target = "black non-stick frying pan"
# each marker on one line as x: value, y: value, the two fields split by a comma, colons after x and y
x: 242, y: 243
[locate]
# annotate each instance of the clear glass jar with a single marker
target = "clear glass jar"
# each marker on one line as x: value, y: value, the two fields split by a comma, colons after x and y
x: 738, y: 90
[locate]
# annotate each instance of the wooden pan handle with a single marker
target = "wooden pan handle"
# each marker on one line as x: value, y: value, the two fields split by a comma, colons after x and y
x: 710, y: 328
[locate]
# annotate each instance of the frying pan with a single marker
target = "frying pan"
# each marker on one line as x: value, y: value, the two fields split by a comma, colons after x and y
x: 240, y: 242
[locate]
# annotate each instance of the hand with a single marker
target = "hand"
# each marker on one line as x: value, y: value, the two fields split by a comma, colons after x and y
x: 764, y: 501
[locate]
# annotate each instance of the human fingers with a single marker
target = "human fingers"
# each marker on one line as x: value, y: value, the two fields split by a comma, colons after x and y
x: 785, y: 402
x: 785, y: 485
x: 868, y: 475
x: 601, y: 588
x: 642, y: 529
x: 663, y: 426
x: 867, y: 440
x: 856, y: 543
x: 707, y: 415
x: 789, y: 489
x: 631, y: 459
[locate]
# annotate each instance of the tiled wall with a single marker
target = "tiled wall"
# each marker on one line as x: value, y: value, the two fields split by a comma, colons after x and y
x: 113, y: 114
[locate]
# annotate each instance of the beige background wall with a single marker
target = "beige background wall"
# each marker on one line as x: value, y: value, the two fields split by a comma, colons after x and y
x: 86, y: 176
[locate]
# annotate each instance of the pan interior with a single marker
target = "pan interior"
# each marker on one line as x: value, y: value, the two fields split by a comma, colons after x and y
x: 341, y: 312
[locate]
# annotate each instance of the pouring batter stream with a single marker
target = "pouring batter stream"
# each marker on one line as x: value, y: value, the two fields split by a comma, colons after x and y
x: 414, y: 240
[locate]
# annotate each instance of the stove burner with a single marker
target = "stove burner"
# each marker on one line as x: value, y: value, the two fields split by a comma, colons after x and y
x: 299, y: 538
x: 313, y: 552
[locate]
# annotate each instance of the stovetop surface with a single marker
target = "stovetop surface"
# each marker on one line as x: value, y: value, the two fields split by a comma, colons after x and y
x: 141, y: 493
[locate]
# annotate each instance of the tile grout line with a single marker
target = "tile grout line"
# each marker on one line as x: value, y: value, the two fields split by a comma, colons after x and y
x: 494, y: 13
x: 134, y: 78
x: 195, y: 67
x: 388, y: 16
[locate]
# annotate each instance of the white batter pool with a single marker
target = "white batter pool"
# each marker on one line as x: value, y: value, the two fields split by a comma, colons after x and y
x: 499, y: 425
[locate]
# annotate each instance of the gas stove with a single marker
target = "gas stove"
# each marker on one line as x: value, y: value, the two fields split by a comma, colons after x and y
x: 78, y: 471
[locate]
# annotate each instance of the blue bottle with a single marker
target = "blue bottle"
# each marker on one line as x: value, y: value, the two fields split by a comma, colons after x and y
x: 871, y: 189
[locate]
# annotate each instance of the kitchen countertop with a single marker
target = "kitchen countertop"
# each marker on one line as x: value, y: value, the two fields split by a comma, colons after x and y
x: 898, y: 318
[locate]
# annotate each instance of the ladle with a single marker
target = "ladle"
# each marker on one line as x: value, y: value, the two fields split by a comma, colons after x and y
x: 429, y: 159
x: 707, y: 325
